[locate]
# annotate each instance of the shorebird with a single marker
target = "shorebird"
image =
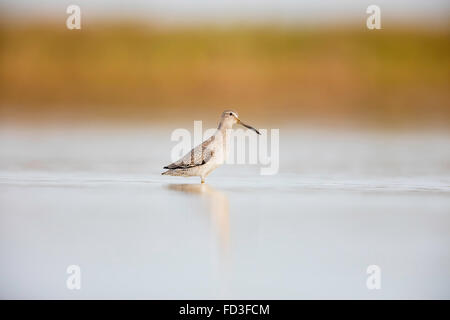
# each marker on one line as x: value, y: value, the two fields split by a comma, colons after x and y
x: 204, y: 158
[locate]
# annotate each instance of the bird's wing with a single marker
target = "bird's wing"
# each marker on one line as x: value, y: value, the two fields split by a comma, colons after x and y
x: 198, y: 156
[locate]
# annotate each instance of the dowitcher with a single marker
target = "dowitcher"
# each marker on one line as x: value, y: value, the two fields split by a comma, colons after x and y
x: 204, y: 158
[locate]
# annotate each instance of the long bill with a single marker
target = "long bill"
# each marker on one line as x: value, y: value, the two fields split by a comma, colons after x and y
x: 247, y: 126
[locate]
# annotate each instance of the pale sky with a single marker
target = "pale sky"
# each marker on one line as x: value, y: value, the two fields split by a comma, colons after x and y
x: 280, y: 11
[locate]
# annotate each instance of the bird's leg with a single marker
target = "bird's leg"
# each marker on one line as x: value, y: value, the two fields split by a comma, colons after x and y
x: 203, y: 180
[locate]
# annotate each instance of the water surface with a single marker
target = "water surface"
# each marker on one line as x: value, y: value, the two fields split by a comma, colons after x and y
x: 343, y: 200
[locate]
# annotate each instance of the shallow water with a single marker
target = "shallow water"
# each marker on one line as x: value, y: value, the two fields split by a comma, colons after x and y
x: 342, y: 200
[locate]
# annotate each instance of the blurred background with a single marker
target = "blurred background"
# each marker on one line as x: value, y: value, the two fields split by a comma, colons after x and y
x: 86, y: 118
x: 289, y: 61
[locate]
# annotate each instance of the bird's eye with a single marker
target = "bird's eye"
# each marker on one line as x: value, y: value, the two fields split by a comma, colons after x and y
x: 231, y: 114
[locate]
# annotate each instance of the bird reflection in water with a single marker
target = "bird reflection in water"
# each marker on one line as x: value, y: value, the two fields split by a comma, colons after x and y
x: 218, y: 207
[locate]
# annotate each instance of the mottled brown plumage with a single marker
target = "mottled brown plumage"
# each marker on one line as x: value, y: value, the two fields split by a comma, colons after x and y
x: 209, y: 155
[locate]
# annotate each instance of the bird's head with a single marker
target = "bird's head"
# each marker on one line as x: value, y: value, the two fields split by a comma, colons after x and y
x: 229, y: 118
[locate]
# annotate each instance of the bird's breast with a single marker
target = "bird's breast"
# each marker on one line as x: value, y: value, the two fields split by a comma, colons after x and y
x: 220, y: 149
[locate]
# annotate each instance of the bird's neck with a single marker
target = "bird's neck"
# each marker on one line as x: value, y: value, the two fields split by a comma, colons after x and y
x: 223, y: 126
x: 222, y: 132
